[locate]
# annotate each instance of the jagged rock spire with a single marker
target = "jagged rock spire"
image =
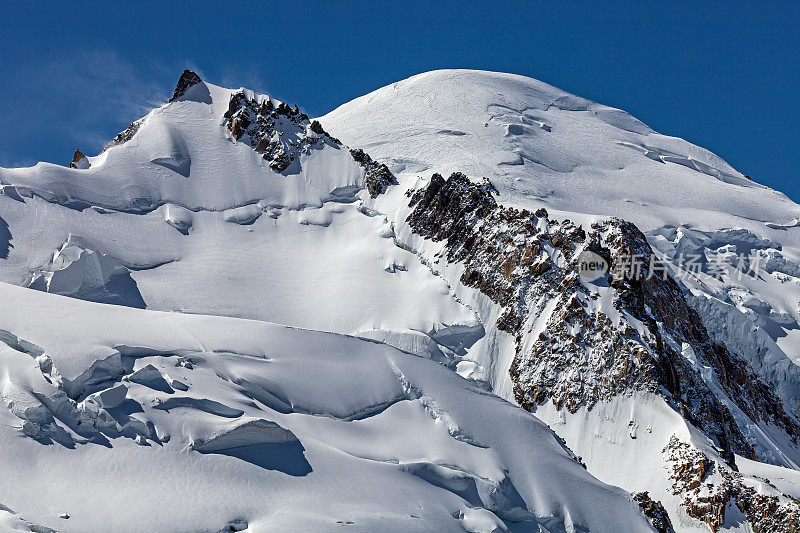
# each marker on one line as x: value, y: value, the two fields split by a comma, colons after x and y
x: 187, y: 79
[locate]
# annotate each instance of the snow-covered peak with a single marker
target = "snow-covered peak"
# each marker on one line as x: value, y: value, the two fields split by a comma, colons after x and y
x: 186, y: 153
x: 540, y: 145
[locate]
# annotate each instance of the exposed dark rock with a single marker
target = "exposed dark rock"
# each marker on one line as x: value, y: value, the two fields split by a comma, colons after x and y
x: 79, y: 160
x: 522, y: 261
x: 316, y: 127
x: 689, y: 470
x: 284, y: 109
x: 378, y: 177
x: 124, y: 136
x: 281, y: 133
x: 500, y: 248
x: 655, y: 512
x: 278, y: 133
x: 767, y: 514
x: 707, y: 501
x: 658, y: 301
x: 187, y: 79
x: 528, y: 262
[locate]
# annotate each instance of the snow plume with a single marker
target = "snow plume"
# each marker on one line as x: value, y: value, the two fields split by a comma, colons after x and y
x: 92, y: 85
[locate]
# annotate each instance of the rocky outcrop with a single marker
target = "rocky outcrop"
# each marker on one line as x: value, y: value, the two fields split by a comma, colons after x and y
x: 281, y: 134
x: 79, y: 160
x: 466, y: 217
x: 523, y: 261
x: 767, y: 514
x: 125, y: 135
x: 706, y: 497
x: 655, y: 512
x: 273, y: 129
x: 658, y: 301
x: 582, y: 351
x: 377, y: 176
x: 187, y: 79
x: 689, y: 471
x: 528, y: 263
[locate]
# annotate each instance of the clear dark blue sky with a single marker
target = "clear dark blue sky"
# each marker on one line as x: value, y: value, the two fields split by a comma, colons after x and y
x: 723, y: 75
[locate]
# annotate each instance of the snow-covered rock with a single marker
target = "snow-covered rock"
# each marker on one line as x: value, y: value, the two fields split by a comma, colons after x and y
x: 79, y: 160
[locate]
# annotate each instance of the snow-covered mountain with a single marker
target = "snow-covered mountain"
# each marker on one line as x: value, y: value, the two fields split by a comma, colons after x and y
x: 239, y: 318
x: 619, y: 368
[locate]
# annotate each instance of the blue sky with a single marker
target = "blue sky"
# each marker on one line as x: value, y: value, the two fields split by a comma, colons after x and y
x: 723, y: 75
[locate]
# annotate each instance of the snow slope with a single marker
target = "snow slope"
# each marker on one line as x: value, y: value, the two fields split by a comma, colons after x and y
x: 541, y: 147
x: 215, y: 418
x: 539, y: 144
x: 121, y: 417
x: 229, y: 236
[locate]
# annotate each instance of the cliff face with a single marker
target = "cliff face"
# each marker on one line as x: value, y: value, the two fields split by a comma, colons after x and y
x: 709, y: 488
x: 377, y: 176
x: 187, y: 80
x: 631, y: 330
x: 281, y: 133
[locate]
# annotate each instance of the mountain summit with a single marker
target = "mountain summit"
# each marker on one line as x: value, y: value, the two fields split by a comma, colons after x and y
x: 187, y: 80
